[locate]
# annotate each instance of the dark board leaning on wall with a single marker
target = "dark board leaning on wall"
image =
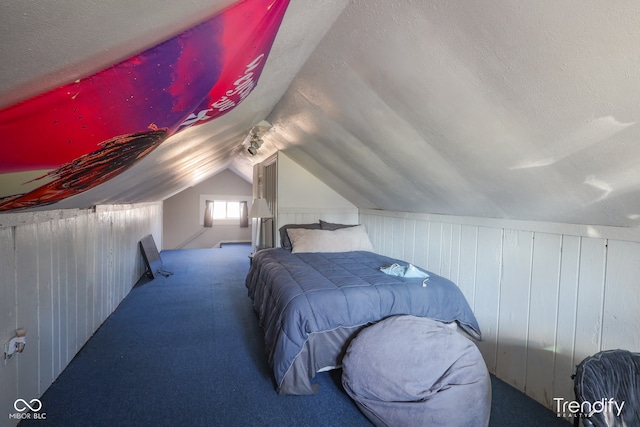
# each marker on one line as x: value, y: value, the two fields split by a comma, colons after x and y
x: 151, y: 256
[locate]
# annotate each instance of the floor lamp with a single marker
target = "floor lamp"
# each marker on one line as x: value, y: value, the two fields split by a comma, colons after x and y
x: 260, y: 210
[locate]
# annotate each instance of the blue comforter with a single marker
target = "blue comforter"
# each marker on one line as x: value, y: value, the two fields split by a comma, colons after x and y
x: 299, y: 294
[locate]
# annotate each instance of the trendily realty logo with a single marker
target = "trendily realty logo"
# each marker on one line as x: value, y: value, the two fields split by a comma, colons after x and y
x: 573, y: 408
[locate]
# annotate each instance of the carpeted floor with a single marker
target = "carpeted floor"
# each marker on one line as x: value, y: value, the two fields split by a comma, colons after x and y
x: 186, y: 350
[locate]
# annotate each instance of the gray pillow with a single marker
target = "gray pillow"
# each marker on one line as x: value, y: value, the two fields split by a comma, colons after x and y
x: 285, y: 242
x: 333, y: 226
x: 341, y: 240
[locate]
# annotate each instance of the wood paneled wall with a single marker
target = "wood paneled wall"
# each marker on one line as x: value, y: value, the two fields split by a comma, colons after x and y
x: 61, y: 274
x: 545, y: 295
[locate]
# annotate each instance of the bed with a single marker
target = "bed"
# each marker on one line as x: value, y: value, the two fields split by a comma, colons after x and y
x: 314, y: 297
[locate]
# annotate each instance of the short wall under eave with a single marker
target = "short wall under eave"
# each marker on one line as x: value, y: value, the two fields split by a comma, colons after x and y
x: 62, y: 273
x: 546, y: 295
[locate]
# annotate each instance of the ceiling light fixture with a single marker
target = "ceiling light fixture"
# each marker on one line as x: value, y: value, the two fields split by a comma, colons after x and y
x: 254, y: 140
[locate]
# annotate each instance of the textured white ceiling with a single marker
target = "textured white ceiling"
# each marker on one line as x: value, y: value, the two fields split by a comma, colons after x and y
x: 503, y: 109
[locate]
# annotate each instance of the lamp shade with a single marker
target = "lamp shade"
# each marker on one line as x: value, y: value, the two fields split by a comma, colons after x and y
x: 260, y: 209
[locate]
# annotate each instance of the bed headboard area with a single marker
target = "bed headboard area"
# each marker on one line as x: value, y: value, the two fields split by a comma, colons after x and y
x: 313, y: 216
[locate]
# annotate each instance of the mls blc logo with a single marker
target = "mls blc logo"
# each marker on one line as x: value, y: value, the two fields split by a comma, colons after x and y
x: 22, y: 406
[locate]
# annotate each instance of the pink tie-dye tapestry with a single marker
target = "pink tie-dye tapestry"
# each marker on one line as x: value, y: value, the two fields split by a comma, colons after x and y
x: 88, y: 131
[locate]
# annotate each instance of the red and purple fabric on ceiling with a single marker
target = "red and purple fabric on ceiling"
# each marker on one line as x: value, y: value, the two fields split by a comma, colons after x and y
x: 187, y: 80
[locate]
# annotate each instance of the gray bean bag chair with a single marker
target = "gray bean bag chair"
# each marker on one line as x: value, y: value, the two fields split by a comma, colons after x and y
x: 413, y: 371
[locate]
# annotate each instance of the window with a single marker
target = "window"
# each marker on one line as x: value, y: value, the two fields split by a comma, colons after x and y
x: 223, y: 210
x: 226, y: 210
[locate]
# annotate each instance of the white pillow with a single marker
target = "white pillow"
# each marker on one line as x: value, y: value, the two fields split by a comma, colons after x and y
x: 342, y: 240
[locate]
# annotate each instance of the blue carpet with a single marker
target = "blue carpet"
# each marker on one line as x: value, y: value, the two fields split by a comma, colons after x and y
x: 187, y: 350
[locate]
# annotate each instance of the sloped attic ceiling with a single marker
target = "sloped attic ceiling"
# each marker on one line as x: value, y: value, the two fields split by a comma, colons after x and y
x: 45, y: 45
x: 506, y: 109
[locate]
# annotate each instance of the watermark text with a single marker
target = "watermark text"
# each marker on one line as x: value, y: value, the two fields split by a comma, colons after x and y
x: 573, y: 408
x: 27, y: 410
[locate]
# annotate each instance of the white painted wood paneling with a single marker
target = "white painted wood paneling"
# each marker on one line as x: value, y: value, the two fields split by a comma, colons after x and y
x: 90, y: 276
x: 514, y: 307
x: 8, y: 379
x: 57, y: 260
x: 46, y: 330
x: 543, y: 310
x: 435, y: 247
x: 591, y: 271
x: 621, y: 311
x: 62, y: 274
x: 387, y: 235
x: 82, y: 314
x: 487, y: 291
x: 546, y: 295
x: 451, y: 251
x: 26, y: 245
x: 71, y: 291
x: 467, y: 263
x: 420, y: 242
x: 397, y: 238
x: 564, y: 351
